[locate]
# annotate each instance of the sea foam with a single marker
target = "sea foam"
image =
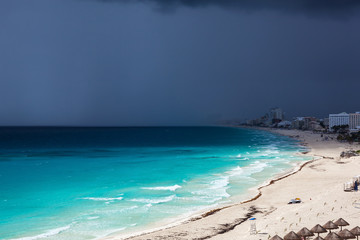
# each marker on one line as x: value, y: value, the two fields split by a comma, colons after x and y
x: 49, y: 233
x: 235, y: 171
x: 256, y: 167
x: 248, y: 170
x: 169, y: 188
x: 102, y: 199
x: 154, y: 200
x: 214, y: 191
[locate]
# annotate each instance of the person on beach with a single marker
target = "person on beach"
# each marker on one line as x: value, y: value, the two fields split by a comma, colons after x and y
x: 356, y: 184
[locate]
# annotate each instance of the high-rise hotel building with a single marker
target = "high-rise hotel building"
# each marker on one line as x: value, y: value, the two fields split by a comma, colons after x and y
x: 338, y: 119
x: 354, y: 122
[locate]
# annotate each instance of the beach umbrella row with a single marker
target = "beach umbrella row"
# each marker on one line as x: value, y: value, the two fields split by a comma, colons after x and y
x: 304, y: 232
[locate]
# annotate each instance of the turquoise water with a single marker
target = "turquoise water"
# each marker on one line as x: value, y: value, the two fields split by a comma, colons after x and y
x: 85, y: 183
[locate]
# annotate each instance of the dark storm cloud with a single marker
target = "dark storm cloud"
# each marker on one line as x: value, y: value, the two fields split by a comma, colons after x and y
x: 309, y: 7
x: 85, y: 62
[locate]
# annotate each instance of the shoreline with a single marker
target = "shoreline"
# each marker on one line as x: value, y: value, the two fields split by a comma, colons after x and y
x: 201, y: 215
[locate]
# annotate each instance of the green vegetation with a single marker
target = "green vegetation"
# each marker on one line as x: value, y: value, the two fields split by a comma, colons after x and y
x: 350, y: 137
x: 341, y: 128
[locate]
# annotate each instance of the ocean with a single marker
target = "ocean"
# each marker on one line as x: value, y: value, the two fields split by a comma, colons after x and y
x: 85, y: 183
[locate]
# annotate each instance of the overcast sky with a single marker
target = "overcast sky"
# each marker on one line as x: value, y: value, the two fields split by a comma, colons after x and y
x: 175, y: 62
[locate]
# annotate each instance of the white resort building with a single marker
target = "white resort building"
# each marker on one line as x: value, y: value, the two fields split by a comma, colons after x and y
x: 338, y: 119
x: 354, y: 122
x: 276, y: 113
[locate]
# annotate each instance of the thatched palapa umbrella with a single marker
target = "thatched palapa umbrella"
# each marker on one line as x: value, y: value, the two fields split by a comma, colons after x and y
x: 333, y: 236
x: 304, y: 232
x: 356, y: 232
x: 330, y: 225
x: 292, y: 236
x: 346, y: 234
x: 318, y: 229
x: 341, y: 222
x: 276, y: 237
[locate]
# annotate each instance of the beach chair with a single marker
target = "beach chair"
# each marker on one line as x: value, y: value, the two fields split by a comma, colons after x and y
x: 348, y: 187
x: 293, y: 201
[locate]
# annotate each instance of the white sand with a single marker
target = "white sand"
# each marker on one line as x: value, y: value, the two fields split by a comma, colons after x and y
x: 319, y: 184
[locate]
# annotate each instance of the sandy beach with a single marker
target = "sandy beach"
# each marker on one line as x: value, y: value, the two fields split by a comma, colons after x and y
x: 319, y: 184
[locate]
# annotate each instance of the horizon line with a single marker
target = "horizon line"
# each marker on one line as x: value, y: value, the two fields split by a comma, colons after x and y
x: 101, y: 126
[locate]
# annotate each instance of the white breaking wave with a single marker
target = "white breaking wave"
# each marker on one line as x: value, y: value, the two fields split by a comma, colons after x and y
x: 154, y: 200
x: 247, y: 171
x: 255, y: 167
x: 128, y: 209
x: 202, y: 198
x: 271, y: 148
x: 220, y: 183
x: 102, y: 199
x: 169, y: 188
x: 235, y: 172
x: 215, y: 191
x: 49, y: 233
x: 271, y: 151
x: 115, y: 211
